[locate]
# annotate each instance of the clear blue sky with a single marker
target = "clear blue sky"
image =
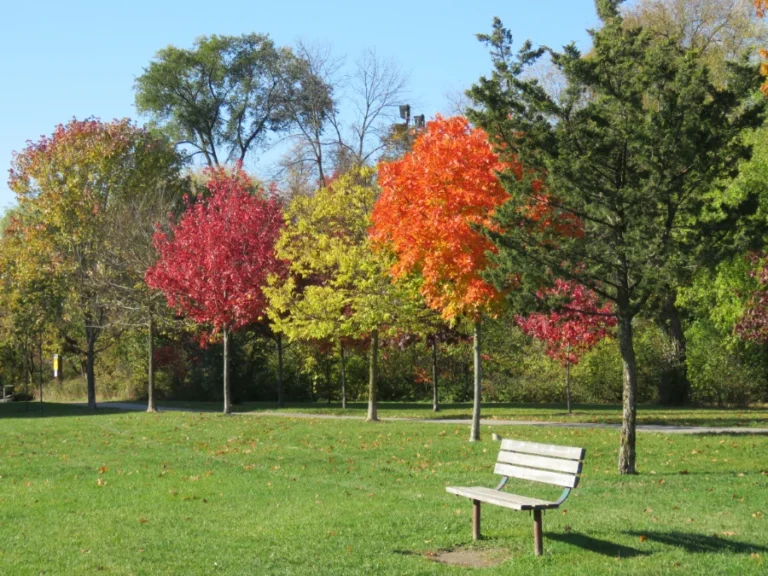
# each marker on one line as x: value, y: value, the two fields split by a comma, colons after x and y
x: 75, y: 58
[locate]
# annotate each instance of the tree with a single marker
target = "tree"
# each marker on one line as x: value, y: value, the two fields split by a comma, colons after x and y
x: 224, y: 96
x: 575, y: 327
x: 214, y: 262
x: 718, y: 30
x: 432, y: 201
x: 338, y: 287
x: 329, y: 138
x: 634, y: 151
x: 67, y: 185
x: 129, y: 252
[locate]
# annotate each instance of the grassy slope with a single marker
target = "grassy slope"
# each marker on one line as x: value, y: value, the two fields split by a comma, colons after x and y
x: 754, y: 417
x: 203, y: 493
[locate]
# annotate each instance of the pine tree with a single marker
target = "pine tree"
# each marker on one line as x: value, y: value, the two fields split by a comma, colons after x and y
x: 634, y: 148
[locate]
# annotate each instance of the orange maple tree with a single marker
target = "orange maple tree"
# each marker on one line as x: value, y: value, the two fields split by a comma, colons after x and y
x: 761, y: 7
x: 432, y: 201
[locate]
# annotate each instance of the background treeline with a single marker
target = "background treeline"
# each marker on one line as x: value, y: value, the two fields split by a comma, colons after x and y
x: 689, y: 346
x: 723, y: 370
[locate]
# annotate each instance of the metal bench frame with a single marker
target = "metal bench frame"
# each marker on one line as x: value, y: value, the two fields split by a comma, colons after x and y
x: 546, y: 463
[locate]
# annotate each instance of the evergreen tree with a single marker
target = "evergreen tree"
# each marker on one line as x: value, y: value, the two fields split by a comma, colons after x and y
x: 636, y: 149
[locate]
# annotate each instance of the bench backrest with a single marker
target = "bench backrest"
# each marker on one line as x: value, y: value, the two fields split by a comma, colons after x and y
x: 559, y: 465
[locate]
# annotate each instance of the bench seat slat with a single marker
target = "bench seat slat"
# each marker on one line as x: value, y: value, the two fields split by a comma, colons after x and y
x: 503, y: 499
x: 567, y: 452
x: 556, y: 464
x: 565, y: 480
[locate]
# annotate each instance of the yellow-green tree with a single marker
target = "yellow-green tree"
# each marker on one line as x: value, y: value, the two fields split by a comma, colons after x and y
x: 67, y: 185
x: 338, y: 286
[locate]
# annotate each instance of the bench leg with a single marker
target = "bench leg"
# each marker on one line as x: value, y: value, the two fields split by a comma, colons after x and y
x: 475, y: 519
x: 538, y: 541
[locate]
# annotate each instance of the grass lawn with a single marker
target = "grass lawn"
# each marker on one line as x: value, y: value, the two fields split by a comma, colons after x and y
x: 182, y: 493
x: 738, y: 417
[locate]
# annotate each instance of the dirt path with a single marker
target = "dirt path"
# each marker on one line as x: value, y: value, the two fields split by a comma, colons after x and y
x: 666, y: 429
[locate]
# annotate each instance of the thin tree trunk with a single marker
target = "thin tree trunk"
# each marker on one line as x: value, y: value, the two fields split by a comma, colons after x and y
x: 373, y: 373
x: 151, y: 399
x: 435, y: 405
x: 629, y: 415
x: 40, y: 369
x: 26, y: 377
x: 227, y: 396
x: 568, y: 377
x: 280, y: 382
x: 90, y: 360
x: 674, y: 387
x: 343, y: 377
x: 474, y: 434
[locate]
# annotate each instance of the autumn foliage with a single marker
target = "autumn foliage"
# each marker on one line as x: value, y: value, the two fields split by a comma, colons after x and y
x: 753, y: 323
x: 432, y: 201
x: 214, y: 262
x: 578, y: 325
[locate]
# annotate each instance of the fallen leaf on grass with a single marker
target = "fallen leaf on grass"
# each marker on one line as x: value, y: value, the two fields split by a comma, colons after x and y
x: 101, y: 482
x: 143, y: 520
x: 756, y: 556
x: 643, y: 538
x: 728, y: 533
x: 103, y: 470
x: 757, y: 515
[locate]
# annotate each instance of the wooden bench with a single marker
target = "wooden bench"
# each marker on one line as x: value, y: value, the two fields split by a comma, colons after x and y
x: 547, y: 463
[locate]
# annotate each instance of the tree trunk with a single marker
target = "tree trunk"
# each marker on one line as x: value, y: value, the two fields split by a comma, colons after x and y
x: 26, y: 377
x: 90, y: 360
x: 674, y: 387
x: 435, y: 405
x: 280, y: 383
x: 40, y: 369
x: 629, y: 415
x: 373, y: 374
x: 151, y: 399
x: 568, y: 385
x: 227, y: 396
x: 60, y: 374
x: 343, y: 378
x: 474, y: 434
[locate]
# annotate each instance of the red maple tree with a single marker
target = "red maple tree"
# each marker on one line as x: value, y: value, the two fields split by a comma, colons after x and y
x: 572, y: 329
x: 214, y: 262
x: 753, y: 323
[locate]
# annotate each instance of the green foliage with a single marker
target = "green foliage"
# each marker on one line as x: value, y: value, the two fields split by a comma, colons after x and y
x: 338, y: 286
x: 224, y: 96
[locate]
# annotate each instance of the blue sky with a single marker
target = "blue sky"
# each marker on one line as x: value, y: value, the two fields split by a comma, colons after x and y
x: 65, y: 59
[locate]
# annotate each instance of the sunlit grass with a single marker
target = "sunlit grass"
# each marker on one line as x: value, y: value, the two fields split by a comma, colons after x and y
x: 180, y: 493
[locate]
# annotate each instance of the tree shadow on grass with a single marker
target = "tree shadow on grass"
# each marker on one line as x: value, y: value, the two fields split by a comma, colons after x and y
x: 700, y: 543
x: 51, y: 410
x: 604, y: 547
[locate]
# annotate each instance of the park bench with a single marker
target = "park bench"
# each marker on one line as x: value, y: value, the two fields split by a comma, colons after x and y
x: 547, y: 463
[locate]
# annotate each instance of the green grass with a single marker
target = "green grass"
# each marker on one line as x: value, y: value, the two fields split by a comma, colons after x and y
x: 651, y: 414
x: 181, y: 493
